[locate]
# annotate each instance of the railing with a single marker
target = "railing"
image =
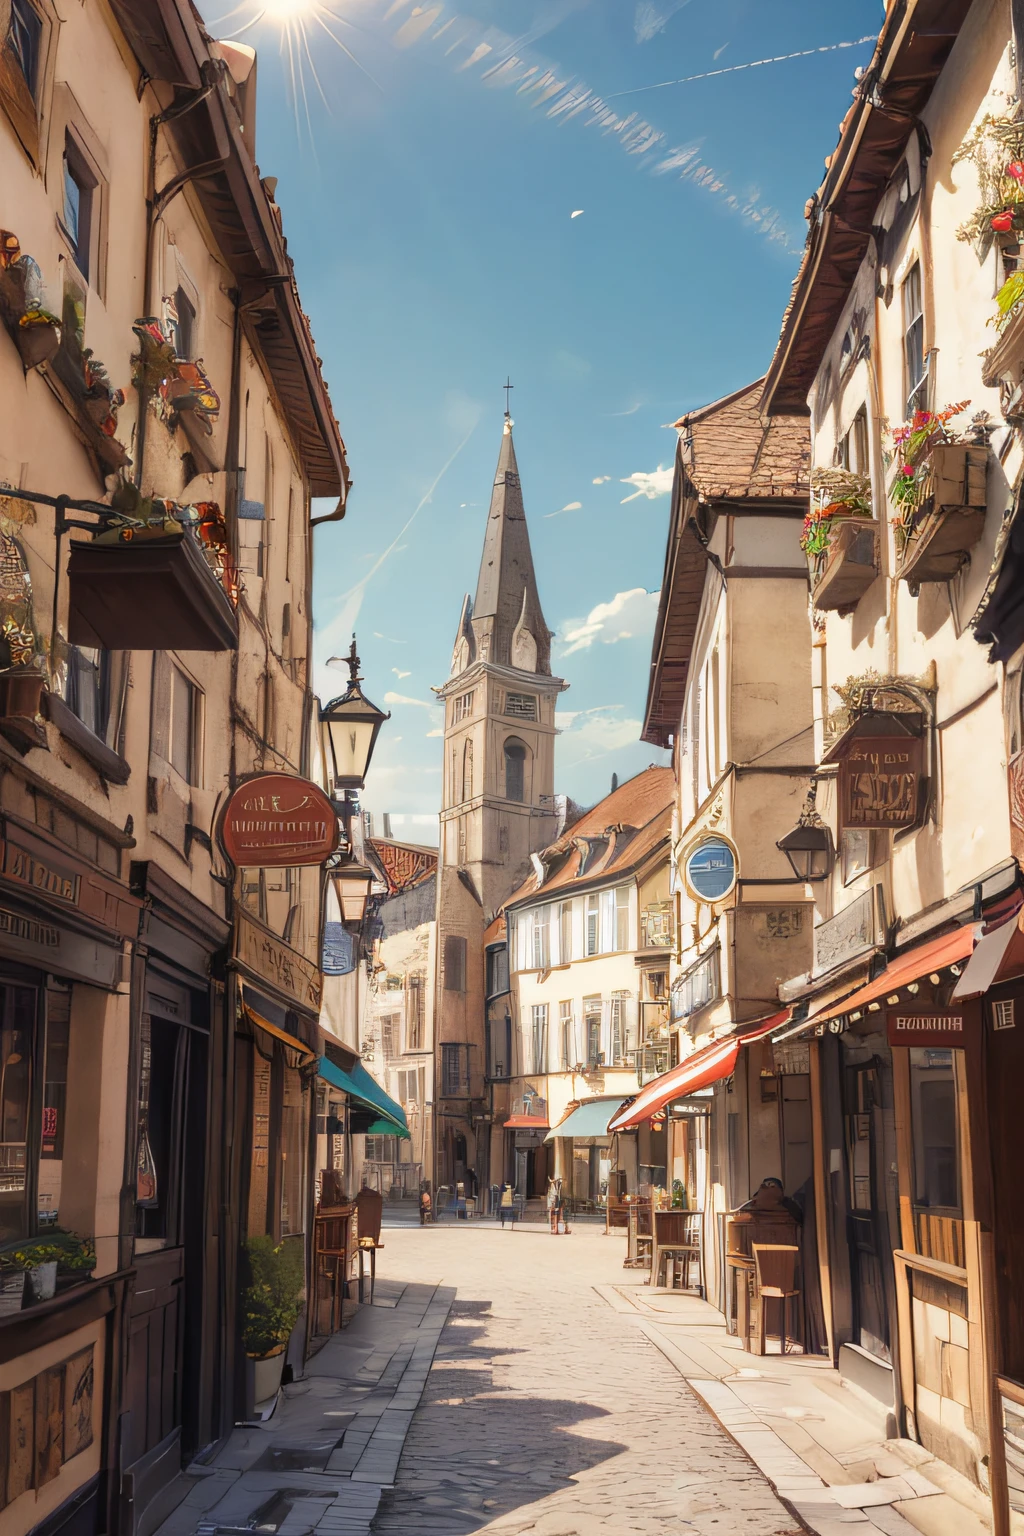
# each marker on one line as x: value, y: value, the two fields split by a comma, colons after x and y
x: 651, y: 1061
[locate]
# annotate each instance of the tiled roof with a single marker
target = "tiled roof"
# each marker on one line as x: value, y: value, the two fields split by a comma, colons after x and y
x: 633, y: 819
x: 730, y: 449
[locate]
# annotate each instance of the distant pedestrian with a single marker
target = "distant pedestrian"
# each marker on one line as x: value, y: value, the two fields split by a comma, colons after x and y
x: 556, y: 1203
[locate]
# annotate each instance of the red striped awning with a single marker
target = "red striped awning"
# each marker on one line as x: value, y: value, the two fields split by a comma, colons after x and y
x: 704, y: 1067
x: 910, y: 966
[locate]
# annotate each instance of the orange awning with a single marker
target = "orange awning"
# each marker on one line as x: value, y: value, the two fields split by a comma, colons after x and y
x: 704, y: 1067
x: 999, y: 957
x: 526, y: 1123
x: 917, y: 962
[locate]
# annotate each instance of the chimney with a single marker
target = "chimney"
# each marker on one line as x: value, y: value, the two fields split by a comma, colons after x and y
x: 387, y: 824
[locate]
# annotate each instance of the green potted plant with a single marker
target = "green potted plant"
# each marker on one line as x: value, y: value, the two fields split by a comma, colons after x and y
x: 271, y: 1302
x: 28, y: 1267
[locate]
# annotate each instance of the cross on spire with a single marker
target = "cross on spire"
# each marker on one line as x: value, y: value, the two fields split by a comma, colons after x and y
x: 507, y: 386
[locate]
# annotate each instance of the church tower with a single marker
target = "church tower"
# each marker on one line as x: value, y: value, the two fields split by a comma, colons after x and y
x: 498, y: 804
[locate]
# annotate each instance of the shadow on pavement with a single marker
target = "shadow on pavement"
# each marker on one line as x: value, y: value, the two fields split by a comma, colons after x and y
x: 476, y: 1450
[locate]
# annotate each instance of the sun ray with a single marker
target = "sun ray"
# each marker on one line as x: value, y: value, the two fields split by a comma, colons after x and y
x: 286, y: 40
x: 297, y: 34
x: 312, y: 66
x: 346, y: 51
x: 229, y: 37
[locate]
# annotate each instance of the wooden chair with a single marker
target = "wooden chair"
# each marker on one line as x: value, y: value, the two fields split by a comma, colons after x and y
x: 676, y: 1236
x: 641, y: 1236
x: 369, y: 1211
x: 775, y: 1265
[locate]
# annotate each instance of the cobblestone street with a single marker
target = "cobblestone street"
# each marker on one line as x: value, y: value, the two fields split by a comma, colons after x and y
x: 547, y: 1412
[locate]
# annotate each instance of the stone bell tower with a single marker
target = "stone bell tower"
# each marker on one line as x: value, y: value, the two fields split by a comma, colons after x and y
x: 498, y: 802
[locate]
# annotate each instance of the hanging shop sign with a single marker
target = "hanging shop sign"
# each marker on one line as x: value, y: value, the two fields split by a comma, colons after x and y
x: 944, y: 1027
x: 277, y: 819
x: 881, y: 782
x: 270, y: 960
x: 710, y: 868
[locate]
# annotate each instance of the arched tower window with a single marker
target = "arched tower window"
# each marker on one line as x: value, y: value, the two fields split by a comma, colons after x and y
x: 515, y: 770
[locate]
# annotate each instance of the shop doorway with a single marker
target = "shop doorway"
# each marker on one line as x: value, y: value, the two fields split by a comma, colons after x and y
x: 870, y: 1136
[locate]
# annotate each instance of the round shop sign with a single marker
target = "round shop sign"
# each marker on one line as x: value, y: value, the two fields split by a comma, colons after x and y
x: 710, y: 869
x: 273, y: 820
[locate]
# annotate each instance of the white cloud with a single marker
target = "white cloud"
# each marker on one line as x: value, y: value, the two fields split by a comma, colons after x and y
x: 651, y: 18
x: 650, y: 483
x: 438, y: 732
x: 595, y: 732
x: 401, y: 698
x: 570, y: 506
x: 400, y: 674
x: 600, y: 479
x: 719, y: 51
x: 628, y: 616
x: 576, y: 213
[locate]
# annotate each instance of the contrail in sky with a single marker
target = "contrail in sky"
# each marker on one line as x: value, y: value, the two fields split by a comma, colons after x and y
x: 781, y: 58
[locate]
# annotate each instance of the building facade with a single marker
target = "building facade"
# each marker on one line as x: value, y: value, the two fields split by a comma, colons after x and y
x: 498, y: 805
x: 589, y: 945
x: 165, y: 427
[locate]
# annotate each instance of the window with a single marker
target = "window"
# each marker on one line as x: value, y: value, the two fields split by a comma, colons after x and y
x: 24, y: 40
x: 416, y: 1014
x: 522, y: 705
x: 914, y: 363
x: 592, y: 1012
x: 380, y: 1149
x: 657, y: 985
x: 567, y: 1034
x: 539, y: 924
x: 454, y: 963
x: 77, y: 209
x: 183, y: 328
x: 389, y: 1026
x: 852, y: 450
x: 592, y: 932
x: 860, y: 851
x: 463, y: 707
x: 515, y: 770
x: 176, y: 718
x: 55, y: 1087
x: 89, y: 680
x: 17, y: 1044
x: 617, y: 1029
x: 565, y: 932
x: 622, y: 917
x: 293, y: 1154
x: 539, y: 1037
x: 452, y: 1059
x: 934, y: 1123
x: 497, y: 970
x: 467, y: 771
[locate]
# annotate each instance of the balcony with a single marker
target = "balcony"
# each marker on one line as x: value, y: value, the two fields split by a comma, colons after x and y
x: 651, y: 1060
x: 935, y: 538
x: 842, y: 572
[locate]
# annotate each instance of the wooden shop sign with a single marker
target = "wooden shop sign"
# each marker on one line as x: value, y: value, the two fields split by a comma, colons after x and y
x: 277, y: 819
x: 271, y: 961
x: 942, y: 1027
x: 880, y: 782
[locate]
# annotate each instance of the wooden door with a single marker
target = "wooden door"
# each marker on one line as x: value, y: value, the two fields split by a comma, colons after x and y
x: 869, y: 1134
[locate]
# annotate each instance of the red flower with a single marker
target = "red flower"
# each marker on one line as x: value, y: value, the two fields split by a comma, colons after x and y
x: 1002, y: 223
x: 1016, y: 170
x: 908, y: 470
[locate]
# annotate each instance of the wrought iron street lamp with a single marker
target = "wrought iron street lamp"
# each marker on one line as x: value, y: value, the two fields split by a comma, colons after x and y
x: 352, y: 883
x: 809, y: 847
x: 350, y: 725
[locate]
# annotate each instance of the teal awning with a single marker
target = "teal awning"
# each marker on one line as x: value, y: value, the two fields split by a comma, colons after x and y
x: 384, y: 1127
x: 358, y: 1084
x: 588, y: 1119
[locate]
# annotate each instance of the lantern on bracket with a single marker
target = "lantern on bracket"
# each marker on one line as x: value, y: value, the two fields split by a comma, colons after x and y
x: 809, y: 847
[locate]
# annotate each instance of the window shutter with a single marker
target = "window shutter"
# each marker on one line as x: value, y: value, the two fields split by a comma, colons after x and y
x: 160, y: 708
x: 455, y: 963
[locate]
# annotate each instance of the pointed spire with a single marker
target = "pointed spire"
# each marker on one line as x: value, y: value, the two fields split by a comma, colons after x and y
x: 507, y: 604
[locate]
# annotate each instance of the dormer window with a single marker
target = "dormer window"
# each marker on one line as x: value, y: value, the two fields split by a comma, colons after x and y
x: 523, y: 706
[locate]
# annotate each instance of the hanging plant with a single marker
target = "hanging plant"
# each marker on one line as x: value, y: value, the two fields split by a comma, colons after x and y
x: 1009, y: 300
x: 837, y: 493
x: 912, y: 444
x: 995, y: 147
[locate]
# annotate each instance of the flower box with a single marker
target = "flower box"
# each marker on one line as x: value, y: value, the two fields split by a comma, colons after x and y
x: 842, y: 574
x: 148, y: 594
x: 938, y: 538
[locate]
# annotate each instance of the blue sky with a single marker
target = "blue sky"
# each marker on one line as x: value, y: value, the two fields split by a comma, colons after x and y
x: 428, y: 184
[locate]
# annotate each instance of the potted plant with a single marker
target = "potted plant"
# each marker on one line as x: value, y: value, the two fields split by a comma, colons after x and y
x: 28, y: 1267
x: 271, y: 1303
x: 938, y: 492
x: 36, y: 332
x: 840, y: 538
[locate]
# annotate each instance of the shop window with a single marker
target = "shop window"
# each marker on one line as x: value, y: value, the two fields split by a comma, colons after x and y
x: 55, y: 1088
x: 293, y: 1154
x: 158, y: 1078
x: 934, y: 1129
x: 17, y: 1042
